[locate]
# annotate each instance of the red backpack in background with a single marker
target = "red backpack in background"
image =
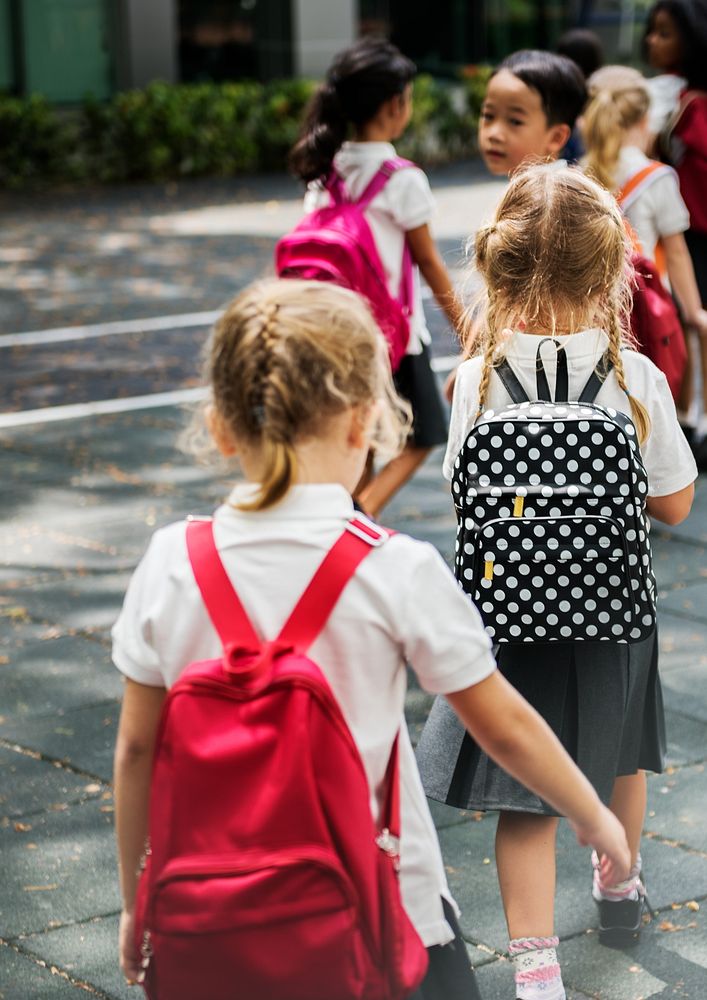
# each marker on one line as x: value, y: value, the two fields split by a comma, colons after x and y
x: 655, y: 321
x: 336, y: 244
x: 266, y: 877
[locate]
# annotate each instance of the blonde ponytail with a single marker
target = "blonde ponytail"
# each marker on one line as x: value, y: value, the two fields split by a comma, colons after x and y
x: 619, y: 99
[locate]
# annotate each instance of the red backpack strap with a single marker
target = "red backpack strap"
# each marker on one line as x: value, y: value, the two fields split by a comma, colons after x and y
x: 389, y: 838
x: 324, y: 589
x: 223, y: 604
x: 335, y: 186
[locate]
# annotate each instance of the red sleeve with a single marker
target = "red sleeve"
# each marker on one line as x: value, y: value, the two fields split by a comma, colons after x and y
x: 692, y: 126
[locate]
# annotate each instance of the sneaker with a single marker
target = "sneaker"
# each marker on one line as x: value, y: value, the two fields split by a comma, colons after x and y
x: 620, y: 921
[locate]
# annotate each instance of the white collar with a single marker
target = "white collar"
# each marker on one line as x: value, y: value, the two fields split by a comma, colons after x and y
x: 523, y: 347
x: 305, y: 501
x: 366, y: 151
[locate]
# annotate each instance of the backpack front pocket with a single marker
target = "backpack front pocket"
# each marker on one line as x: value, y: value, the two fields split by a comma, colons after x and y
x: 551, y: 579
x: 255, y: 926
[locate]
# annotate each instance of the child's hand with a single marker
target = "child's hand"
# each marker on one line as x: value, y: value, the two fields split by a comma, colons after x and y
x: 699, y: 323
x: 129, y: 955
x: 608, y: 838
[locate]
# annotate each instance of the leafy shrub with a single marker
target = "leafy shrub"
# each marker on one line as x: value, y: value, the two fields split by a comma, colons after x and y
x: 170, y: 131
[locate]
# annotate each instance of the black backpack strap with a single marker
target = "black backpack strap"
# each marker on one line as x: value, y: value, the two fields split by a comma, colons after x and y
x: 562, y: 382
x: 596, y: 380
x: 510, y: 382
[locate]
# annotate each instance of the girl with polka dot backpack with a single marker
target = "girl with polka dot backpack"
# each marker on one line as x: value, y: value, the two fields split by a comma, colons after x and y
x: 563, y: 441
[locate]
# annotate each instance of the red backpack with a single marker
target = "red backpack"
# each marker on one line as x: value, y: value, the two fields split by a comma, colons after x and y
x: 336, y: 244
x: 266, y: 877
x: 655, y: 321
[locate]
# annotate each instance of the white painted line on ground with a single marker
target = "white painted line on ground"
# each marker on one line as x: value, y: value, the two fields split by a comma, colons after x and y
x: 78, y: 411
x: 175, y: 397
x: 60, y: 334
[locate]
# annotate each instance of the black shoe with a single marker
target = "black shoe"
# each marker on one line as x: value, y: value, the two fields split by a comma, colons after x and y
x: 620, y: 921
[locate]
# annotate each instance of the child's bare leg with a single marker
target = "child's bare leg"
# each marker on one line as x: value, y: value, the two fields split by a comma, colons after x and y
x: 525, y: 857
x: 391, y: 477
x: 628, y: 803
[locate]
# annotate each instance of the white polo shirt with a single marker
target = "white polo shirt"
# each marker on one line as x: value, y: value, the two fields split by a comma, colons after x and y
x: 657, y: 208
x: 666, y: 454
x: 405, y: 203
x: 403, y: 604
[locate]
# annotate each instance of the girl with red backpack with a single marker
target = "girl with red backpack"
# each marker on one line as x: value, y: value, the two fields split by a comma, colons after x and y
x: 363, y: 106
x: 615, y: 127
x: 675, y: 43
x: 279, y: 821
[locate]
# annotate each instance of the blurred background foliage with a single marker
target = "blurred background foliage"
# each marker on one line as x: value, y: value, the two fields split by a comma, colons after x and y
x: 173, y: 131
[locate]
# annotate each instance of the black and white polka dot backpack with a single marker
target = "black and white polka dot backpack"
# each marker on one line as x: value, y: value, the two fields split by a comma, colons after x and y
x: 552, y: 535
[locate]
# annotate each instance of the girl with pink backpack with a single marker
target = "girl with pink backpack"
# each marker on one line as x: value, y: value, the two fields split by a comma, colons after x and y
x: 247, y: 881
x: 363, y: 106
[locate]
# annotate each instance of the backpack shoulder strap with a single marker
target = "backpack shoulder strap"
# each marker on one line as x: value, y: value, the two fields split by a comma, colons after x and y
x: 223, y: 604
x: 381, y: 178
x: 633, y: 186
x: 510, y: 382
x: 596, y: 380
x: 338, y: 566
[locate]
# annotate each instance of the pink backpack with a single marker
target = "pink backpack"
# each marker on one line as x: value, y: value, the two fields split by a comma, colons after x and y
x: 336, y: 244
x: 266, y: 877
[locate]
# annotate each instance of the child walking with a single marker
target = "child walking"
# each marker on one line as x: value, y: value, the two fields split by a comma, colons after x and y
x: 615, y: 127
x: 676, y: 40
x: 367, y: 95
x: 300, y: 390
x: 540, y: 545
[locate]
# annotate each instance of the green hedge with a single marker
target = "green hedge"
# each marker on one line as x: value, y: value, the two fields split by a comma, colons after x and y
x: 191, y: 130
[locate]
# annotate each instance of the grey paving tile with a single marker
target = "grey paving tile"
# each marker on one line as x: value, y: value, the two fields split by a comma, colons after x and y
x: 30, y: 785
x: 605, y: 973
x: 82, y: 737
x: 682, y: 643
x: 70, y: 876
x: 88, y: 952
x: 43, y: 675
x: 694, y: 528
x: 673, y: 876
x: 687, y: 737
x: 689, y: 601
x: 677, y: 806
x: 677, y: 561
x: 22, y: 978
x: 90, y: 601
x: 687, y: 937
x: 684, y: 692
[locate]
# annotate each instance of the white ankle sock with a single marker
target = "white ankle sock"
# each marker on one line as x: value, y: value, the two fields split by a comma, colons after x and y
x: 629, y: 889
x: 537, y: 971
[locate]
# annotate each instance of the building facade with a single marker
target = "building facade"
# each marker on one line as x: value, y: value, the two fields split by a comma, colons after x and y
x: 67, y: 49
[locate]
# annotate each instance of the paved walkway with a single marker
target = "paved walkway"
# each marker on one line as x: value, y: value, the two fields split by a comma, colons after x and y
x: 79, y: 500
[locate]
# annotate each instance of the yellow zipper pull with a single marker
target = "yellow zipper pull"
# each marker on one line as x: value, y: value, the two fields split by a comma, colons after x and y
x: 518, y: 504
x: 488, y: 569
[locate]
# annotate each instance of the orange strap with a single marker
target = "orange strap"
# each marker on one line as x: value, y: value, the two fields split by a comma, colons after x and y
x: 622, y: 194
x: 633, y: 182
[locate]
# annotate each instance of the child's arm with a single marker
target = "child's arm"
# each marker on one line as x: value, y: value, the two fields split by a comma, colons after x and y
x: 673, y: 508
x: 510, y: 731
x: 427, y: 257
x: 139, y: 719
x: 682, y: 280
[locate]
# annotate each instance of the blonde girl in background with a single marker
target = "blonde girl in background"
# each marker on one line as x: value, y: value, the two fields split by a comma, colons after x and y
x: 300, y: 390
x: 554, y: 262
x: 615, y: 128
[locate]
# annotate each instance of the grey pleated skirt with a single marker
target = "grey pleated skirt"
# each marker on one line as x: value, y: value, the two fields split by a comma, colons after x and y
x: 603, y: 701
